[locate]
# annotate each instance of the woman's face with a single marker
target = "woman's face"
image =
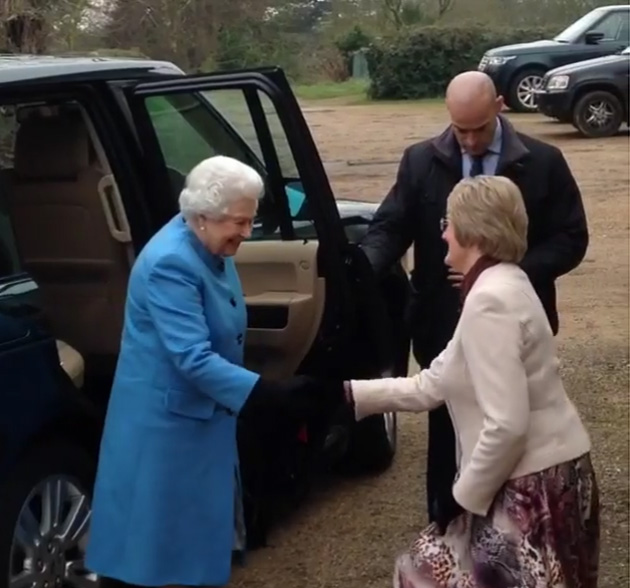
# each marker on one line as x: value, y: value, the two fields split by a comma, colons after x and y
x: 224, y: 236
x: 457, y: 256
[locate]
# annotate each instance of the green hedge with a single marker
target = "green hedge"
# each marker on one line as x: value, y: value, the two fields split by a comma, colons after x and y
x: 419, y: 63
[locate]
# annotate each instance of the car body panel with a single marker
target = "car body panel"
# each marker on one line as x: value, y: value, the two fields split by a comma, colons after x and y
x: 588, y: 66
x: 534, y: 47
x: 31, y: 398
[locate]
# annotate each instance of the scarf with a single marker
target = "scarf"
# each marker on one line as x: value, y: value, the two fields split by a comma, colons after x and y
x: 482, y: 264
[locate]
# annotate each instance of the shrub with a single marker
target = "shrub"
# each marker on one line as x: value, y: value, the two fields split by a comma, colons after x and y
x: 419, y: 63
x: 353, y: 40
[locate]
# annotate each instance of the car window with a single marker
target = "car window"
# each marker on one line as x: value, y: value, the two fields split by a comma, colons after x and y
x: 232, y: 105
x: 575, y: 30
x: 193, y: 126
x: 624, y: 31
x: 181, y: 144
x: 614, y: 26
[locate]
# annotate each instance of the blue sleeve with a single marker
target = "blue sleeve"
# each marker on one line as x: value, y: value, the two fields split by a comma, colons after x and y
x: 175, y: 304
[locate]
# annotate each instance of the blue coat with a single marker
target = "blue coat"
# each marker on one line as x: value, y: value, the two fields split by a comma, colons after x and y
x: 163, y: 511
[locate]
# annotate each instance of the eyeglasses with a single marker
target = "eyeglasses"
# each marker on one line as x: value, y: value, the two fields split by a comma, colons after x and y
x: 443, y: 224
x: 243, y: 223
x: 239, y: 221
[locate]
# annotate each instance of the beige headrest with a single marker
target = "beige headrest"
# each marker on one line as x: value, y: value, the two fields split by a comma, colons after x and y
x: 51, y: 148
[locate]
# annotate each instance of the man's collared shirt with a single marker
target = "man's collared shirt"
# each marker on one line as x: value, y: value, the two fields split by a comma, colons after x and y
x: 491, y: 158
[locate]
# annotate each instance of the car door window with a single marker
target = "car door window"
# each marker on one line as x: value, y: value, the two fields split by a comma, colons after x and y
x: 624, y: 31
x: 232, y: 105
x: 193, y: 126
x: 614, y: 26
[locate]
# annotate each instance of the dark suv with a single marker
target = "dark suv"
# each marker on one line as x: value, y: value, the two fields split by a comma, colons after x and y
x: 593, y: 95
x: 79, y: 201
x: 518, y: 70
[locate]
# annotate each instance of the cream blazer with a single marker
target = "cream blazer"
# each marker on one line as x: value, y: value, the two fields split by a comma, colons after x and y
x: 499, y: 377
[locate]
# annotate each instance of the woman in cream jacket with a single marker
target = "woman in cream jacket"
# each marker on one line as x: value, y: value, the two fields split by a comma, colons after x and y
x: 527, y: 495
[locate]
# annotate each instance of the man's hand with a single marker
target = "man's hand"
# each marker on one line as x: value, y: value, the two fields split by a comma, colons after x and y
x: 455, y: 278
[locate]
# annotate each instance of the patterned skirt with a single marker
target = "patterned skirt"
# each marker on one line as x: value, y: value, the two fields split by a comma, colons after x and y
x: 542, y: 532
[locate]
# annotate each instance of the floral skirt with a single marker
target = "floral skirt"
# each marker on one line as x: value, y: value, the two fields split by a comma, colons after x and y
x: 542, y: 532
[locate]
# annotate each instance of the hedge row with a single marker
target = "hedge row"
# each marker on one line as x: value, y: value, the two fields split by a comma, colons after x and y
x: 420, y: 63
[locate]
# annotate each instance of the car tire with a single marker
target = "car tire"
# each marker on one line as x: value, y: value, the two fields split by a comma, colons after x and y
x: 373, y: 444
x: 598, y: 114
x: 56, y: 470
x: 520, y: 93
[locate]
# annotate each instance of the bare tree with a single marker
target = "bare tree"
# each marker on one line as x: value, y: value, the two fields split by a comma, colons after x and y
x: 444, y: 6
x: 185, y: 31
x: 393, y: 12
x: 24, y: 25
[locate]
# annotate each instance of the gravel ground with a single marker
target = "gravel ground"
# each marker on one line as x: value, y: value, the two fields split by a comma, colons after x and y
x: 349, y: 532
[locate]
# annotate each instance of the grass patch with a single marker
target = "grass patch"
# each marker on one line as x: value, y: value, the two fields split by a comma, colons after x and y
x: 351, y: 89
x: 348, y: 93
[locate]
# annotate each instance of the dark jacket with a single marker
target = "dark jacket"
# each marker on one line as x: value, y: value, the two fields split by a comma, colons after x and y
x: 411, y: 213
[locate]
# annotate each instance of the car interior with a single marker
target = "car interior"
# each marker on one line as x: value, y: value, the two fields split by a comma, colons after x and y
x: 59, y: 180
x: 73, y: 238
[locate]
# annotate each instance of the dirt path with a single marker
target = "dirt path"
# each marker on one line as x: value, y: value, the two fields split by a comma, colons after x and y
x: 348, y: 534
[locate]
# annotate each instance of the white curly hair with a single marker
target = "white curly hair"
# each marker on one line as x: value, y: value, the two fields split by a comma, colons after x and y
x: 215, y: 183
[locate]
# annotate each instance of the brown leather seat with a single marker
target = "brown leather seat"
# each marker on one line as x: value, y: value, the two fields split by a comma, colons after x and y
x: 63, y: 235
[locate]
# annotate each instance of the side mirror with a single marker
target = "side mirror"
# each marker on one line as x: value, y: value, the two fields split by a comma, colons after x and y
x: 593, y: 37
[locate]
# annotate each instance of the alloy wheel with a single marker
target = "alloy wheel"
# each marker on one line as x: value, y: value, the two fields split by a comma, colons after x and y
x: 50, y: 537
x: 526, y: 91
x: 599, y: 114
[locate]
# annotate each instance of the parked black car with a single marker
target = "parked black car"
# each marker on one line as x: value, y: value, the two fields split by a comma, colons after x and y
x: 518, y: 70
x: 593, y: 95
x: 78, y: 202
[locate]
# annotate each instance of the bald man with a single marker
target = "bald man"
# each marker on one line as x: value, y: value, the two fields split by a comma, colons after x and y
x: 479, y: 140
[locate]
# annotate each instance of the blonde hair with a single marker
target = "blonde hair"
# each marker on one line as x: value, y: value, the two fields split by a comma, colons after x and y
x: 488, y: 212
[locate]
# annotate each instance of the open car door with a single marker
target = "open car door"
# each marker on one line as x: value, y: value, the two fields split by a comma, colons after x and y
x: 294, y: 269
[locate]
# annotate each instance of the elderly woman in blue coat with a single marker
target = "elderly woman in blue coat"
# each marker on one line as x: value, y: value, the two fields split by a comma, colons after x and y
x: 166, y: 500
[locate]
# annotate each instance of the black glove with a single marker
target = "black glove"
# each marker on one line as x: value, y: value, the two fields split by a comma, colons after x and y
x: 447, y: 510
x: 299, y: 397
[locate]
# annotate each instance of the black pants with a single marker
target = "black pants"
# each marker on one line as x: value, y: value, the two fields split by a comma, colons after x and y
x: 441, y: 464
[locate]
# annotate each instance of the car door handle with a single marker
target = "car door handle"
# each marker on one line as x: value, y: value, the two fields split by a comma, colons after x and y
x: 114, y: 209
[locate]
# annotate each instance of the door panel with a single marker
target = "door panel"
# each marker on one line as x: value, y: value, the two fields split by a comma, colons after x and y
x: 285, y: 300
